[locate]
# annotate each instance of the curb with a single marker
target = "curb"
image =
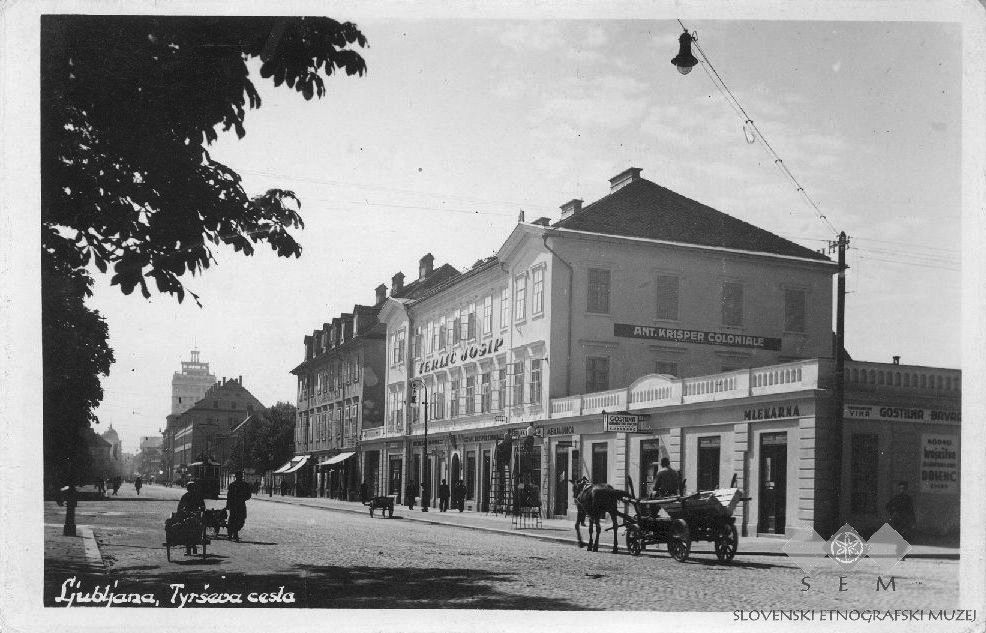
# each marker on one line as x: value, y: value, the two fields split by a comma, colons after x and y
x: 90, y: 546
x: 478, y: 528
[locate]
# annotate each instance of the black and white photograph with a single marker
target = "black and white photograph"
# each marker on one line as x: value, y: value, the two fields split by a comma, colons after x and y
x: 467, y: 317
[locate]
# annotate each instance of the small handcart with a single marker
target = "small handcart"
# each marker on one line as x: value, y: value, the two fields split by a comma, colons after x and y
x: 185, y: 529
x: 703, y: 516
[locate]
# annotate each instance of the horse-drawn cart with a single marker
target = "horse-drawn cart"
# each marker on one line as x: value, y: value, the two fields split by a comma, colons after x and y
x: 704, y: 516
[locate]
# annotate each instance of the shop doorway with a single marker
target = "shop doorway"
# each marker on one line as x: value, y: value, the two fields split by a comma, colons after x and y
x: 371, y: 473
x: 454, y: 474
x: 562, y: 476
x: 709, y: 454
x: 650, y: 463
x: 773, y: 483
x: 396, y: 469
x: 484, y: 478
x: 600, y: 466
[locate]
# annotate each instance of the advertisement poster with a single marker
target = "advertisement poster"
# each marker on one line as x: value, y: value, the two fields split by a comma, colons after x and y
x: 940, y: 464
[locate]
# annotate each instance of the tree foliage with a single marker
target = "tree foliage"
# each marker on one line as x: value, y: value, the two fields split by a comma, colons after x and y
x: 129, y: 105
x: 268, y: 439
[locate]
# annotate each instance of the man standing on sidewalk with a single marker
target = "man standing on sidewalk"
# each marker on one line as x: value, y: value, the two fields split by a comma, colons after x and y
x: 443, y: 495
x: 236, y: 498
x: 459, y: 496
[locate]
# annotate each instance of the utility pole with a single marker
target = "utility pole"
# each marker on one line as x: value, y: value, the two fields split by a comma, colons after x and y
x: 840, y: 371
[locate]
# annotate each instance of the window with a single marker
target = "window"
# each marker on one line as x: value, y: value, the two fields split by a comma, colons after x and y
x: 504, y: 308
x: 438, y: 402
x: 666, y: 367
x: 537, y: 290
x: 520, y: 297
x: 456, y: 329
x: 535, y: 390
x: 501, y: 389
x: 598, y: 297
x: 596, y: 374
x: 667, y: 297
x: 485, y: 404
x: 600, y: 471
x: 416, y: 344
x: 399, y: 342
x: 433, y: 330
x: 864, y: 466
x: 708, y: 462
x: 488, y: 315
x: 454, y: 404
x: 470, y: 395
x: 442, y: 335
x: 471, y: 326
x: 732, y: 303
x: 518, y: 385
x: 794, y: 310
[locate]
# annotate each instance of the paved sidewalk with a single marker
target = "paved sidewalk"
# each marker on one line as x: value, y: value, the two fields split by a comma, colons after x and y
x: 559, y: 530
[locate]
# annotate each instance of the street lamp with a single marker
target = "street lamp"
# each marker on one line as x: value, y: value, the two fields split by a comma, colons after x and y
x: 685, y: 61
x: 426, y: 492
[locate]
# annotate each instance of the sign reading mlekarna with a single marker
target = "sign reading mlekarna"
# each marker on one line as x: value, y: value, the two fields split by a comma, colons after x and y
x: 940, y: 464
x: 702, y: 337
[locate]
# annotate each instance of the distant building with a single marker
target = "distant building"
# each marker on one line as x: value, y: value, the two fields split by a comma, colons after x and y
x: 116, y: 457
x: 190, y: 384
x: 148, y: 463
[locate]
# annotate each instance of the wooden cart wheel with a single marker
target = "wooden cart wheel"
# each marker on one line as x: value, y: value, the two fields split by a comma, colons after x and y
x: 726, y: 542
x: 680, y: 542
x: 634, y: 540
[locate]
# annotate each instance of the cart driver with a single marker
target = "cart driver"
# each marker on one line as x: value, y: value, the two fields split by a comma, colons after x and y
x: 667, y: 483
x: 192, y: 501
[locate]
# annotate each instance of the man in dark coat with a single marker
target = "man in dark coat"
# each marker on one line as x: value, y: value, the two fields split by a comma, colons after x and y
x: 138, y: 482
x: 191, y: 501
x: 459, y: 496
x: 901, y: 511
x: 410, y: 494
x: 443, y: 496
x: 667, y: 483
x: 236, y: 498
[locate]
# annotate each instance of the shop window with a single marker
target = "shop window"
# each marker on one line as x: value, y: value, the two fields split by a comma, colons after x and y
x: 864, y: 472
x: 667, y: 297
x: 732, y: 303
x: 794, y: 310
x: 471, y: 475
x: 598, y: 291
x: 650, y: 463
x: 708, y: 462
x: 600, y: 471
x: 596, y: 374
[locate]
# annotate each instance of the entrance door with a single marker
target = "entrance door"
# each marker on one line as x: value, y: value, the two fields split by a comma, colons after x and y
x: 562, y: 475
x: 773, y: 482
x: 484, y: 479
x: 371, y: 473
x: 396, y: 487
x: 454, y: 474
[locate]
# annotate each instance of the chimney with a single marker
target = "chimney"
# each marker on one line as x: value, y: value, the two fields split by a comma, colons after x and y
x: 397, y: 283
x: 520, y: 216
x: 425, y: 265
x: 381, y: 294
x: 542, y: 221
x: 624, y: 178
x: 571, y: 208
x: 896, y: 360
x: 239, y: 380
x: 224, y: 381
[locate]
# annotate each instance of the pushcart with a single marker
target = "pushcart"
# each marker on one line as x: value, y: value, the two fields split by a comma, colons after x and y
x: 185, y: 529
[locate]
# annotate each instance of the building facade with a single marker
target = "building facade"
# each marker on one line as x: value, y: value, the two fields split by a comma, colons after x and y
x: 148, y: 463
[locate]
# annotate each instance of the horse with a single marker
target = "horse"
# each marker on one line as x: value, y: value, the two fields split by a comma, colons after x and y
x: 595, y: 501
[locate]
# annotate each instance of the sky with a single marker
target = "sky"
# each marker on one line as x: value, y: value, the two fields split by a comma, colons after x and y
x: 461, y: 124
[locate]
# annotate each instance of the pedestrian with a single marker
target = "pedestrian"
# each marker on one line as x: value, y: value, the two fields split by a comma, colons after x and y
x: 101, y: 487
x: 459, y: 496
x: 900, y: 510
x: 410, y: 494
x: 236, y: 497
x: 137, y: 484
x: 364, y: 492
x: 192, y: 502
x: 117, y: 482
x: 667, y: 483
x: 443, y: 496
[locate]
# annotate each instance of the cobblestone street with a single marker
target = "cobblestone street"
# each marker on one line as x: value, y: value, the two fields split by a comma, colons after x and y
x: 328, y: 558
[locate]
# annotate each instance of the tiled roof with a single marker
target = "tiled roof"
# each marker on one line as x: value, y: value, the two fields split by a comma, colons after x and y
x: 419, y: 287
x: 480, y: 266
x: 645, y: 209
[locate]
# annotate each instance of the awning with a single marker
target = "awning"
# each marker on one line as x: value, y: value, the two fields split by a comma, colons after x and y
x: 292, y: 465
x: 341, y: 457
x: 209, y: 463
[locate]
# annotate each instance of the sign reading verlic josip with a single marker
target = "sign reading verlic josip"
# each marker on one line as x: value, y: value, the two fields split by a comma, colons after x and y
x: 621, y: 422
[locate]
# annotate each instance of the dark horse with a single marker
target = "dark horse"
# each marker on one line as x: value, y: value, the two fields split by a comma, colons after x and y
x: 595, y: 501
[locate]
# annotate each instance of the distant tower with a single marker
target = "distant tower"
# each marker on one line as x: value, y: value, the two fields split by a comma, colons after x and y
x: 189, y: 385
x: 111, y: 436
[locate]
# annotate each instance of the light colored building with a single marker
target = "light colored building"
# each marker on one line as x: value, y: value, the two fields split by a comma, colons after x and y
x: 190, y: 384
x: 148, y: 462
x: 205, y: 429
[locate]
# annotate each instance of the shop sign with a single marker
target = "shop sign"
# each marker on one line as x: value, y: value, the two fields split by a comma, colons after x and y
x: 470, y: 353
x: 702, y: 337
x: 772, y: 412
x: 559, y: 430
x: 621, y: 422
x: 940, y: 464
x: 901, y: 414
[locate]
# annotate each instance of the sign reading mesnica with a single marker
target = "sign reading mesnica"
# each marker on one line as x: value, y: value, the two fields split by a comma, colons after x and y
x: 702, y: 337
